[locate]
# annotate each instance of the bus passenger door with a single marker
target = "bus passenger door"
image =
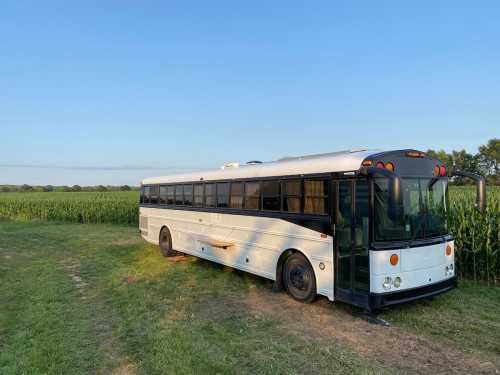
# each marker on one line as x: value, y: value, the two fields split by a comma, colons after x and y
x: 351, y: 241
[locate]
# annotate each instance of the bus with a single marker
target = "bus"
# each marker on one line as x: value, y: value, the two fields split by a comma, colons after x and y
x: 363, y: 227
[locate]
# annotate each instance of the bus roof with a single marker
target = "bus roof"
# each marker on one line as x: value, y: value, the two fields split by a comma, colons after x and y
x: 343, y: 161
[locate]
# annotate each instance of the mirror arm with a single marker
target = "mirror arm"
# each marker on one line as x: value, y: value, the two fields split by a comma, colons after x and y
x: 480, y: 187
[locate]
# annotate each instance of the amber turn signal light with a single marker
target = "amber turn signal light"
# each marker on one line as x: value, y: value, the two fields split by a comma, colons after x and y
x: 448, y: 250
x: 394, y: 259
x: 367, y: 163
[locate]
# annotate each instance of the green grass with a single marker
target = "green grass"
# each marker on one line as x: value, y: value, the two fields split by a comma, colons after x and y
x: 78, y: 299
x: 96, y: 299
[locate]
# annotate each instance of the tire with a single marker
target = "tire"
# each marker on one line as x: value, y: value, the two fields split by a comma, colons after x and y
x: 165, y: 243
x: 299, y: 279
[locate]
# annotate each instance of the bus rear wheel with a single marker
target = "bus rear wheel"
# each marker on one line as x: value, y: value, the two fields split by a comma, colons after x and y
x: 165, y: 243
x: 299, y: 279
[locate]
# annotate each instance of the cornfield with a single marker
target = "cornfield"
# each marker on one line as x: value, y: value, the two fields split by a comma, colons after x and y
x: 476, y: 234
x: 82, y: 207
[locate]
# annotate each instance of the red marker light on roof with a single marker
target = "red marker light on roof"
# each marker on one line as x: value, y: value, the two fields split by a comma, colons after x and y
x: 389, y: 166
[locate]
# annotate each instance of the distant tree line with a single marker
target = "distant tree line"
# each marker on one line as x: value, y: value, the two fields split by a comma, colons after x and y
x: 74, y: 188
x: 484, y: 162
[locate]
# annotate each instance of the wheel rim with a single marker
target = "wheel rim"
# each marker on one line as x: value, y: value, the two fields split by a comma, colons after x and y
x: 300, y: 278
x: 164, y: 241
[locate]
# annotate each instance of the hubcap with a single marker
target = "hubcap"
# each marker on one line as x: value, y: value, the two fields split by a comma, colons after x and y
x: 299, y: 278
x: 164, y: 240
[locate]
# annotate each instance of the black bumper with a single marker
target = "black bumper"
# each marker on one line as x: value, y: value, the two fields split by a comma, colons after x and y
x: 377, y: 300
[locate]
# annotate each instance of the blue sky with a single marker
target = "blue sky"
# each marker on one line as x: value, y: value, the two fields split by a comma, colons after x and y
x: 113, y: 91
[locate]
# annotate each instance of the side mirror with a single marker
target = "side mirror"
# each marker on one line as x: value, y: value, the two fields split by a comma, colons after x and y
x: 480, y: 188
x: 395, y: 195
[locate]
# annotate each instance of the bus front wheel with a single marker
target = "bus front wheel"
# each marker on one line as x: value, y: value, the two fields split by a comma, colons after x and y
x: 299, y: 279
x: 166, y: 243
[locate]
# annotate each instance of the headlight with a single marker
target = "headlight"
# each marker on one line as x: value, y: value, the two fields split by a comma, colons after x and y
x: 387, y: 283
x: 397, y: 282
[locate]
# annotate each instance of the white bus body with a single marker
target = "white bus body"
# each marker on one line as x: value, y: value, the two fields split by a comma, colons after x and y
x: 347, y: 259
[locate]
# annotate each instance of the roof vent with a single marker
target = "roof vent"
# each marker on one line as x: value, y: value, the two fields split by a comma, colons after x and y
x: 358, y: 149
x: 253, y: 162
x: 230, y: 165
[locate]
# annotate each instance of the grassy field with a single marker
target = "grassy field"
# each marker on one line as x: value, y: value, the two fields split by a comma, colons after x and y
x: 96, y: 299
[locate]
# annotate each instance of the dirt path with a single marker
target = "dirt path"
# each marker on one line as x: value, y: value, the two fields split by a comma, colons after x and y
x: 391, y: 347
x: 114, y: 362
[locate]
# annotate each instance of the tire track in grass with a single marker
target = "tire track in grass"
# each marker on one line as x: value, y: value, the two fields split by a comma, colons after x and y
x: 114, y: 362
x: 393, y: 347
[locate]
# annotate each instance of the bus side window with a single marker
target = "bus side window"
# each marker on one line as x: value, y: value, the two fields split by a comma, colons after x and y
x: 252, y: 195
x: 198, y: 195
x: 147, y: 193
x: 153, y: 199
x: 210, y: 195
x: 316, y: 196
x: 236, y: 199
x: 179, y: 195
x: 163, y: 195
x: 292, y: 195
x: 271, y: 195
x: 170, y: 194
x: 223, y: 194
x: 188, y: 195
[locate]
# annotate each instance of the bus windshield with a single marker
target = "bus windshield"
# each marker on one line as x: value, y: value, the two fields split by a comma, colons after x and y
x: 423, y: 213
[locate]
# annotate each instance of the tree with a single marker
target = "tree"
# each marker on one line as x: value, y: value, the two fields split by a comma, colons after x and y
x: 26, y: 187
x: 125, y: 188
x: 464, y: 161
x: 5, y: 189
x: 489, y: 156
x: 76, y: 188
x: 101, y: 188
x: 48, y: 188
x: 442, y: 155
